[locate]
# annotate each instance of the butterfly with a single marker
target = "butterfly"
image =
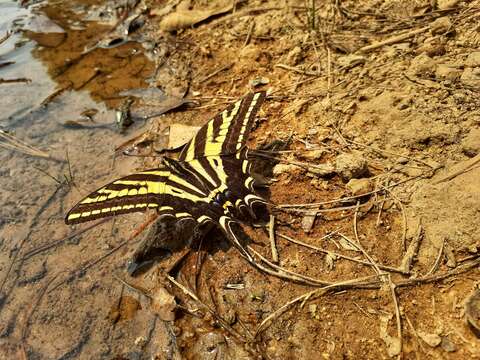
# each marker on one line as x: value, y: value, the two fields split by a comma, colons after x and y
x: 210, y: 184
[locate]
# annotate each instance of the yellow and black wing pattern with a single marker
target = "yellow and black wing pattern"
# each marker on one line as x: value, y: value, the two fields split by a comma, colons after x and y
x: 210, y: 181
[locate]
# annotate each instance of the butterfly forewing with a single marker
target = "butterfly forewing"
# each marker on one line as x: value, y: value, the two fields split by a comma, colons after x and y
x: 227, y: 132
x: 157, y: 188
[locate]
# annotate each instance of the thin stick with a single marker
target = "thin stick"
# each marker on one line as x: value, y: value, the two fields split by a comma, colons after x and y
x: 249, y: 34
x: 464, y: 168
x: 220, y: 320
x: 310, y: 295
x: 382, y: 151
x: 346, y: 199
x: 296, y: 70
x: 397, y: 314
x: 404, y: 218
x: 358, y: 244
x: 14, y: 143
x: 412, y: 250
x: 414, y: 331
x: 437, y: 260
x: 394, y: 39
x: 285, y: 273
x: 271, y: 236
x: 363, y: 262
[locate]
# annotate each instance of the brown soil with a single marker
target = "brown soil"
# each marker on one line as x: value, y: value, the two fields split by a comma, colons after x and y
x: 407, y: 108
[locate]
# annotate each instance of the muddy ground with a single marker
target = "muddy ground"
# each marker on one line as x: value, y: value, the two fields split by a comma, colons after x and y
x: 379, y: 188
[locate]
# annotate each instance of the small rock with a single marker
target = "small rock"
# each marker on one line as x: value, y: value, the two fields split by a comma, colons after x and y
x: 441, y: 25
x: 308, y: 221
x: 313, y: 154
x: 295, y: 56
x: 446, y: 4
x: 471, y: 77
x: 326, y: 169
x: 286, y: 168
x: 250, y: 52
x: 351, y: 166
x: 140, y: 341
x: 446, y: 72
x: 473, y: 59
x: 359, y: 186
x: 432, y: 49
x: 447, y: 345
x: 351, y: 60
x: 472, y: 312
x: 432, y: 340
x: 471, y: 143
x: 422, y: 65
x: 259, y: 81
x: 163, y: 303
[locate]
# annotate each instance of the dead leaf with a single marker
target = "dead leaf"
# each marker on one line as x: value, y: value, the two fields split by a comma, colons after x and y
x: 184, y: 19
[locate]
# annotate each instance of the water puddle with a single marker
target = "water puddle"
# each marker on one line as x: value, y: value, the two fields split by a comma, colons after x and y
x: 59, y: 91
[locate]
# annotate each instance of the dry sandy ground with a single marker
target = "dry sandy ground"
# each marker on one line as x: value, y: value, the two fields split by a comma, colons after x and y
x: 376, y: 97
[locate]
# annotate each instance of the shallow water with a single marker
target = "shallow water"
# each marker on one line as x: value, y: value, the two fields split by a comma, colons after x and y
x: 48, y: 81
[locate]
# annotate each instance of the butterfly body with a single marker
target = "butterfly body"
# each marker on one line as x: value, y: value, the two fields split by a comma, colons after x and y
x: 210, y: 183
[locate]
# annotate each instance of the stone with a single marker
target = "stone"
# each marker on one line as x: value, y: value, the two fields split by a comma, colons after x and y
x: 250, y: 52
x: 441, y: 25
x: 422, y: 65
x: 446, y: 4
x: 471, y: 77
x: 471, y: 143
x: 359, y: 186
x: 431, y: 49
x: 432, y: 340
x: 286, y: 169
x: 447, y: 72
x: 351, y: 166
x: 473, y: 59
x: 295, y: 56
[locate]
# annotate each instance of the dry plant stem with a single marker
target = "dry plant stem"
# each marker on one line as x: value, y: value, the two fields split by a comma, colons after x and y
x: 381, y: 151
x: 414, y: 331
x: 285, y: 273
x: 249, y: 34
x: 393, y: 39
x: 404, y: 218
x: 465, y: 167
x: 239, y: 14
x: 132, y: 287
x: 340, y: 200
x: 358, y: 244
x: 46, y: 247
x: 223, y: 68
x: 271, y: 236
x: 220, y: 321
x: 397, y: 314
x: 436, y: 264
x: 310, y: 295
x: 412, y: 250
x: 294, y: 69
x: 324, y: 251
x: 12, y: 143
